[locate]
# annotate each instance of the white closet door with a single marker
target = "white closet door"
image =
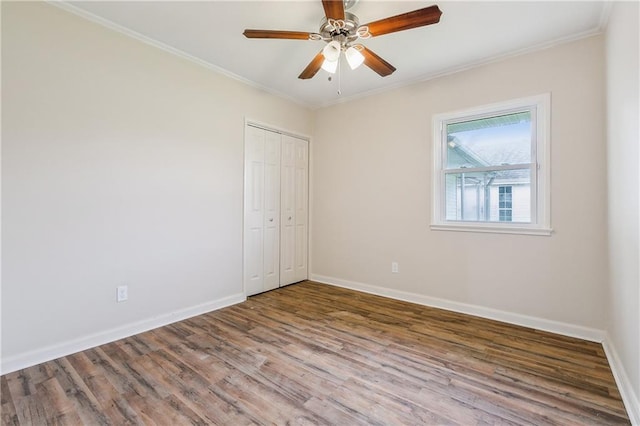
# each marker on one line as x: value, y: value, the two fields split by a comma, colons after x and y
x: 261, y: 210
x: 301, y: 208
x: 288, y: 211
x: 275, y: 210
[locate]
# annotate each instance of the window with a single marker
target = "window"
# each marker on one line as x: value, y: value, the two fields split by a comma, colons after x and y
x: 505, y: 199
x: 491, y: 168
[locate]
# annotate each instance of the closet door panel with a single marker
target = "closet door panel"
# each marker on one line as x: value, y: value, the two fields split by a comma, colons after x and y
x: 254, y: 211
x: 301, y: 208
x: 272, y: 211
x: 288, y: 210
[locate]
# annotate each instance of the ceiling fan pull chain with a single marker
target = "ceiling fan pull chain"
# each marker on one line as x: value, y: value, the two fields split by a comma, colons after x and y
x: 339, y: 77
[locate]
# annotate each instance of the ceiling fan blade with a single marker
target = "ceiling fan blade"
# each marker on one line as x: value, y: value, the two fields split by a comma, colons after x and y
x: 313, y: 67
x: 333, y: 9
x: 405, y: 21
x: 376, y: 63
x: 293, y: 35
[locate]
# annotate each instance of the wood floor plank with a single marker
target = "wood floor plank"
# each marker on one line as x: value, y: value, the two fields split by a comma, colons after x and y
x: 8, y: 413
x: 59, y: 406
x: 314, y: 354
x: 31, y: 411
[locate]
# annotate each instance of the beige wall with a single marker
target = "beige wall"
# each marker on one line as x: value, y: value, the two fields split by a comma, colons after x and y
x: 623, y: 137
x: 372, y: 193
x: 121, y: 164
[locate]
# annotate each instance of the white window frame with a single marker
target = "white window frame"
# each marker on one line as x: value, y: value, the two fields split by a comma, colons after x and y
x: 540, y: 171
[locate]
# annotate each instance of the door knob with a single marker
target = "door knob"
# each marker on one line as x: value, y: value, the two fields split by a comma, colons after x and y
x: 270, y: 219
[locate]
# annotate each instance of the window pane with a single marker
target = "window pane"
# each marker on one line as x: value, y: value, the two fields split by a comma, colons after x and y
x: 495, y: 196
x: 493, y: 141
x: 505, y: 216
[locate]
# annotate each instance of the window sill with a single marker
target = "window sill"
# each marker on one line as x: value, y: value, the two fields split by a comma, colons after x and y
x: 493, y: 229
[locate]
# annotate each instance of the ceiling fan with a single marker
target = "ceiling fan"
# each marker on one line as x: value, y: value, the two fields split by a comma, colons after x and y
x: 341, y: 29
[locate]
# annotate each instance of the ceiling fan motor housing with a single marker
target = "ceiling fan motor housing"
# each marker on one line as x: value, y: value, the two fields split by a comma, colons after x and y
x: 344, y: 31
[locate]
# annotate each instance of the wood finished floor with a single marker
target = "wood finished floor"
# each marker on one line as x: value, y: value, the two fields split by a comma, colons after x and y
x: 315, y: 354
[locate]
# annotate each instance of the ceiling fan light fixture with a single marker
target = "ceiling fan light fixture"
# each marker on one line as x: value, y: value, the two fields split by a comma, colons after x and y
x: 354, y: 57
x: 330, y: 66
x: 331, y: 51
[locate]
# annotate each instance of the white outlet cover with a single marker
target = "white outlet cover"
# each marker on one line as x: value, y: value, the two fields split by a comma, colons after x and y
x: 122, y: 293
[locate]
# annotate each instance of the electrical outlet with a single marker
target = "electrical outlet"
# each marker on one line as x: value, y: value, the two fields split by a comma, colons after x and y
x: 394, y: 267
x: 122, y: 293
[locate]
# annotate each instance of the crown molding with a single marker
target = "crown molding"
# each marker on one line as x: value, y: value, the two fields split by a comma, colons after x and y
x: 61, y: 4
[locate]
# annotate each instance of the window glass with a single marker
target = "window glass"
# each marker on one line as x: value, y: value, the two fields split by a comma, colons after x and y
x: 483, y: 196
x: 493, y: 141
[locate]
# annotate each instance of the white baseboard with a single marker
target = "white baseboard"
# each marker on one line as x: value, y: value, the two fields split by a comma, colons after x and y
x: 28, y: 359
x: 557, y: 327
x: 629, y: 397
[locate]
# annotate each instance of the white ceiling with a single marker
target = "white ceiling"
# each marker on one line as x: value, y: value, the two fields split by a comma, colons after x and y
x: 469, y: 33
